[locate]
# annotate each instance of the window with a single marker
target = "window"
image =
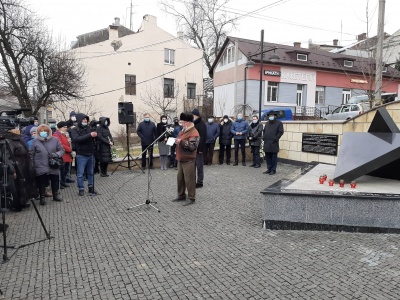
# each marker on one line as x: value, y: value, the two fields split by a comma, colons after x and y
x: 348, y: 63
x: 130, y: 84
x: 302, y: 57
x: 168, y: 88
x: 345, y: 96
x: 299, y: 98
x: 355, y: 108
x: 169, y: 56
x: 319, y: 95
x: 384, y: 69
x: 272, y: 92
x: 191, y: 90
x: 228, y: 56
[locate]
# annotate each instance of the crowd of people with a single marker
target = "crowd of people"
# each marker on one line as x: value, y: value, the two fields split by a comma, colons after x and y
x: 53, y: 148
x: 195, y: 144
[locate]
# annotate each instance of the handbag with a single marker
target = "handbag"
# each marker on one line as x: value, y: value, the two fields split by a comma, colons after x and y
x: 54, y: 162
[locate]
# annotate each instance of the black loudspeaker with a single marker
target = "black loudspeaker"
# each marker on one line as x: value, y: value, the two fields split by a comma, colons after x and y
x: 125, y: 113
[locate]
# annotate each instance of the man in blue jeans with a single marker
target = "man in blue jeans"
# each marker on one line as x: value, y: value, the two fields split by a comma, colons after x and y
x: 83, y: 143
x: 239, y: 130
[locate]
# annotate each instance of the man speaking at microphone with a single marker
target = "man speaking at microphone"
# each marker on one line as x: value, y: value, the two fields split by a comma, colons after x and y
x: 186, y: 146
x: 83, y: 143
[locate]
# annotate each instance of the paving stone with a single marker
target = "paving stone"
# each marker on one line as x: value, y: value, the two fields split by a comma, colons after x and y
x: 215, y: 249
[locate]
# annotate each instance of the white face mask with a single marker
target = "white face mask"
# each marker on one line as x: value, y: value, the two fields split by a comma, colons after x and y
x: 73, y: 118
x: 106, y: 123
x: 164, y: 121
x: 210, y: 120
x: 255, y: 121
x: 226, y: 120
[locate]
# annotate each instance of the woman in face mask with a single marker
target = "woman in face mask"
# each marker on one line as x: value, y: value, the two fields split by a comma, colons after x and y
x: 105, y: 142
x: 42, y: 147
x: 163, y: 148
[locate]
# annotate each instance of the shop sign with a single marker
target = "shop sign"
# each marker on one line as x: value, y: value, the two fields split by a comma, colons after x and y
x: 358, y: 81
x: 272, y: 73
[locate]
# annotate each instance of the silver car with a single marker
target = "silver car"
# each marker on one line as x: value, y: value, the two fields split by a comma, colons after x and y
x: 345, y: 112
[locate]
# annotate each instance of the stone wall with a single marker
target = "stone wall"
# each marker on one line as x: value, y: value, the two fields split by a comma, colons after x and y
x: 290, y: 143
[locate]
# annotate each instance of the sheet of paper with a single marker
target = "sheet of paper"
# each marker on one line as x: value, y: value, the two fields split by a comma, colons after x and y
x: 171, y: 141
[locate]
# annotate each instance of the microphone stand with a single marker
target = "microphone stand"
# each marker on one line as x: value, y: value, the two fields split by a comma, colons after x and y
x: 148, y: 202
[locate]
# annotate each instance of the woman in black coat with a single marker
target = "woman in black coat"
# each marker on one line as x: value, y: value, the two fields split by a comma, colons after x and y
x: 105, y: 141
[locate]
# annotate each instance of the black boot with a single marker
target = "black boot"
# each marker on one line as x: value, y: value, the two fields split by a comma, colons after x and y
x: 56, y: 195
x: 92, y: 191
x: 42, y: 191
x: 42, y: 200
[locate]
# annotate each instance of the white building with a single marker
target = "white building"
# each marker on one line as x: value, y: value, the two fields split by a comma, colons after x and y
x: 150, y: 68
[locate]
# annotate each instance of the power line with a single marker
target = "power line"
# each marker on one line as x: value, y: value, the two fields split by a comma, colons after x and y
x: 144, y: 81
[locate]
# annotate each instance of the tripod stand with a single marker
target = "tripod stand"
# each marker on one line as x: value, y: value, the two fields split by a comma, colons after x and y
x: 6, y: 195
x: 148, y: 202
x: 128, y: 155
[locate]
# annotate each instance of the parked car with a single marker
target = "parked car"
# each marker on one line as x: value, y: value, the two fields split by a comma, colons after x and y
x: 283, y: 113
x: 345, y: 112
x: 386, y: 98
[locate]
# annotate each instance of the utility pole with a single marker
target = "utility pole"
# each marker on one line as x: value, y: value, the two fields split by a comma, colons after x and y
x: 379, y: 52
x: 130, y: 18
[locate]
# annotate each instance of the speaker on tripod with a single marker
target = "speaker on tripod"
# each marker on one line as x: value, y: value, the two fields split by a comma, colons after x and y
x: 125, y: 113
x: 126, y: 116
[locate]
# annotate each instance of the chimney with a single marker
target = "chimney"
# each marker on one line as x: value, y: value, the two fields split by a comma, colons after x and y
x: 149, y: 21
x: 361, y: 37
x: 335, y: 42
x: 297, y: 44
x: 116, y: 21
x: 180, y: 35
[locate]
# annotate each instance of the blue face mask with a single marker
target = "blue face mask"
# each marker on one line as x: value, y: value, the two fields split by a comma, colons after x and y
x: 34, y: 136
x: 52, y: 125
x: 271, y: 118
x: 43, y: 134
x: 84, y: 124
x: 147, y: 119
x: 239, y: 118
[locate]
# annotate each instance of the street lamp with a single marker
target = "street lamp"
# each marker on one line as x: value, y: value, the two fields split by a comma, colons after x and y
x: 273, y: 58
x: 249, y: 64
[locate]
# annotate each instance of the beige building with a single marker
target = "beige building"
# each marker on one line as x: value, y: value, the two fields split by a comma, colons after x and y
x: 151, y: 68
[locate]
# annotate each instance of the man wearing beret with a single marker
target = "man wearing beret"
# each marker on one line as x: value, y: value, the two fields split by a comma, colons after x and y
x: 273, y: 130
x: 186, y: 146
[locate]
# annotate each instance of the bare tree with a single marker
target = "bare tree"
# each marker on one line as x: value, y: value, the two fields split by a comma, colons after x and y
x: 35, y: 68
x: 87, y: 107
x: 161, y: 99
x: 204, y: 22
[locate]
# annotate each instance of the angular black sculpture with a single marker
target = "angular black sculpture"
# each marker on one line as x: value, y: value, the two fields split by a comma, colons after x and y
x: 376, y: 152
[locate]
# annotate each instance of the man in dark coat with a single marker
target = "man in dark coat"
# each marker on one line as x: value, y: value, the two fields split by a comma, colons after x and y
x: 172, y: 161
x: 202, y: 130
x: 147, y: 131
x: 212, y: 135
x: 105, y: 142
x: 254, y: 136
x: 21, y: 179
x: 83, y: 140
x: 225, y: 140
x: 273, y: 130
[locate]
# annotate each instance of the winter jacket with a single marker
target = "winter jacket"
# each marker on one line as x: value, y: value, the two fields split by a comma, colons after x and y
x: 202, y: 130
x: 212, y: 132
x: 67, y: 157
x: 23, y: 187
x: 177, y: 129
x: 147, y: 132
x: 255, y: 133
x: 273, y: 130
x: 239, y: 126
x: 225, y: 134
x: 40, y: 150
x: 104, y: 138
x: 82, y: 141
x: 27, y: 134
x: 186, y: 149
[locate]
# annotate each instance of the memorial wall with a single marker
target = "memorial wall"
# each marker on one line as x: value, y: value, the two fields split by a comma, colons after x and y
x: 320, y: 141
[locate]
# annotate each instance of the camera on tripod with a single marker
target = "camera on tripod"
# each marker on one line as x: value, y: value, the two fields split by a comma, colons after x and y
x: 10, y: 119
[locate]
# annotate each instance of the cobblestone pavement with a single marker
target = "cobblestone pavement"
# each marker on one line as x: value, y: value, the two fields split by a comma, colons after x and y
x: 215, y: 249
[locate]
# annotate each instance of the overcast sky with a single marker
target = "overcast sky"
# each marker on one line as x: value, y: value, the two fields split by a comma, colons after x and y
x: 284, y: 21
